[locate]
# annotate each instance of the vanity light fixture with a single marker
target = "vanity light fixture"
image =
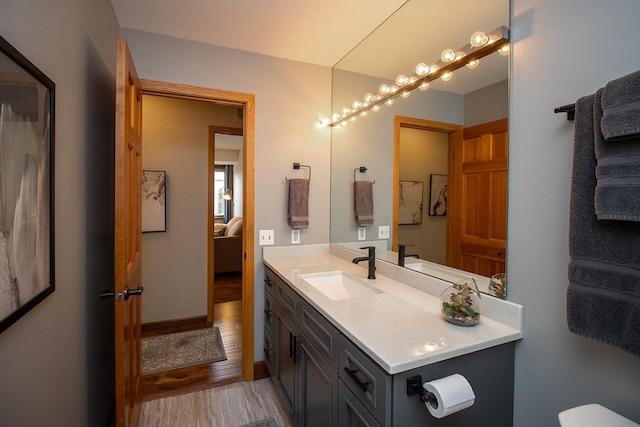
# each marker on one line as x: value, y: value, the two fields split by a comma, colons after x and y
x: 480, y: 45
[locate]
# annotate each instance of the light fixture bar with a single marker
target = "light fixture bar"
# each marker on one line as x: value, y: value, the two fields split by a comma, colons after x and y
x: 496, y: 40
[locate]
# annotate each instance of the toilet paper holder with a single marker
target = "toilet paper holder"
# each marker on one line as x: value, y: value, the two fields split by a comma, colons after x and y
x: 414, y: 386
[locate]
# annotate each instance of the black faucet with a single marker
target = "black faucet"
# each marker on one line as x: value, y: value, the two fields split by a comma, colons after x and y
x: 402, y: 256
x: 372, y: 261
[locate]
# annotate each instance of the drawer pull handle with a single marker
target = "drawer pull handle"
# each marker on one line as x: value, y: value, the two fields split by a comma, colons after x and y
x: 269, y: 313
x: 267, y: 353
x: 268, y: 281
x: 352, y: 374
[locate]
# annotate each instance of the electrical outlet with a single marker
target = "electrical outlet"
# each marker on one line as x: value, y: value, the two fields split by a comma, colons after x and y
x: 362, y: 233
x: 295, y: 237
x: 266, y: 237
x: 383, y: 232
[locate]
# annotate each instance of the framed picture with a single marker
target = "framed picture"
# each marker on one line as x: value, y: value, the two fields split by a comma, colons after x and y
x: 27, y: 100
x: 154, y: 201
x: 410, y: 202
x: 438, y: 195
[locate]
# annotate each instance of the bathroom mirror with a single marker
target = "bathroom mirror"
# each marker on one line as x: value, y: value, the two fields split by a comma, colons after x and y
x: 417, y: 32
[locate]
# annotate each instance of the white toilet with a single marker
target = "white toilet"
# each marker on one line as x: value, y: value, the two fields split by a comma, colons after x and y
x: 593, y: 415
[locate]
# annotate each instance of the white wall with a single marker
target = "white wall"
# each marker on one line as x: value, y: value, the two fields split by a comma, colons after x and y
x: 561, y: 51
x: 56, y: 362
x: 290, y: 98
x: 175, y: 139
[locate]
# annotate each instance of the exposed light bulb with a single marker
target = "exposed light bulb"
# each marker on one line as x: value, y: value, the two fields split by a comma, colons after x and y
x: 356, y: 104
x: 424, y: 86
x: 384, y: 89
x: 364, y: 113
x: 394, y: 88
x: 345, y: 111
x: 406, y: 94
x: 472, y: 65
x: 353, y: 118
x: 369, y: 97
x: 448, y: 55
x: 422, y: 69
x: 446, y: 77
x: 376, y: 108
x: 412, y: 80
x: 335, y: 117
x: 343, y: 124
x: 324, y: 122
x: 389, y: 102
x: 402, y: 80
x: 504, y: 50
x: 460, y: 55
x: 433, y: 68
x: 479, y: 38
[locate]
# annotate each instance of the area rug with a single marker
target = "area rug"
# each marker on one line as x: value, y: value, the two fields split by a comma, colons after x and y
x: 267, y: 422
x: 181, y: 349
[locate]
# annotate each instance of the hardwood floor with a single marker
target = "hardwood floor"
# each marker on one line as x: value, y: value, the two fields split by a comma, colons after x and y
x: 228, y: 317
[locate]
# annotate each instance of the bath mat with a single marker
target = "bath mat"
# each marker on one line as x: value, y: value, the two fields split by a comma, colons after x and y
x: 181, y: 349
x: 267, y: 422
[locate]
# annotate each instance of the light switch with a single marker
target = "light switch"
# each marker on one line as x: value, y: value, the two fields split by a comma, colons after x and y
x: 295, y: 237
x: 383, y: 232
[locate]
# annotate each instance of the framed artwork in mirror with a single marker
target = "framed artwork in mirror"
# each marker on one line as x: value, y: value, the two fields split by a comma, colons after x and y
x: 154, y: 201
x: 410, y: 202
x: 27, y: 100
x: 438, y: 195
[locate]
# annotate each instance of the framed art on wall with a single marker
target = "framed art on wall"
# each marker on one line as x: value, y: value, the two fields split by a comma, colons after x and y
x: 410, y: 202
x: 27, y: 100
x: 438, y: 195
x: 154, y: 200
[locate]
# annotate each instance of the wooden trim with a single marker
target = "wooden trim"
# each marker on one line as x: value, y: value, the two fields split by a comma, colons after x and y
x: 248, y: 101
x: 501, y: 125
x: 454, y: 131
x: 162, y: 327
x: 260, y: 371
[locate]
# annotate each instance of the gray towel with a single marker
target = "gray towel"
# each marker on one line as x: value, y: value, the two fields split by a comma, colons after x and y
x: 621, y: 108
x: 298, y: 212
x: 617, y: 193
x: 603, y: 298
x: 363, y: 193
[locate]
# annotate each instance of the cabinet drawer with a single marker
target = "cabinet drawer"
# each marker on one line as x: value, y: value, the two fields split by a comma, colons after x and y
x: 320, y: 333
x: 269, y: 280
x: 366, y: 380
x: 286, y: 297
x: 351, y: 413
x: 269, y: 353
x: 269, y: 309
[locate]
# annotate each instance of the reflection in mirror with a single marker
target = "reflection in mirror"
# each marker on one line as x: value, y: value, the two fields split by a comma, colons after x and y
x: 414, y: 139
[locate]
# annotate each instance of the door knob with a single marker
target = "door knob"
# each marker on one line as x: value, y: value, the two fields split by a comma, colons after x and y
x: 131, y: 292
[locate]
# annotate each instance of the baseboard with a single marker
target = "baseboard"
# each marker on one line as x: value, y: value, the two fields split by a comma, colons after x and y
x: 175, y: 325
x: 260, y: 370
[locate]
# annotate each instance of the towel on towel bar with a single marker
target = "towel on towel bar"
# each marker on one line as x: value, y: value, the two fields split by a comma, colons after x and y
x: 363, y: 194
x: 621, y: 108
x: 603, y: 297
x: 298, y: 209
x: 617, y: 192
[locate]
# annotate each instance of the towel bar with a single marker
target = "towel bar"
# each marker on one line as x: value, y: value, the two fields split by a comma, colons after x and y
x: 297, y: 166
x: 361, y: 169
x: 570, y: 109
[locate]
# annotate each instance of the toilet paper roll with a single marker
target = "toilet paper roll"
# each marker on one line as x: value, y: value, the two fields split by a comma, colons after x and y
x: 453, y: 394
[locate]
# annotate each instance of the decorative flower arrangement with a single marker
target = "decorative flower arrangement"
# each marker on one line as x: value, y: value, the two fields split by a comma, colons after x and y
x: 461, y: 303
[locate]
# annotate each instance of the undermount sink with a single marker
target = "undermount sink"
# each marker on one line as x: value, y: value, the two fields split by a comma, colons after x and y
x: 337, y: 285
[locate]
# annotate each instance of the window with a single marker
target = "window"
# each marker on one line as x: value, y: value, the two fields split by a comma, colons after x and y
x: 223, y: 185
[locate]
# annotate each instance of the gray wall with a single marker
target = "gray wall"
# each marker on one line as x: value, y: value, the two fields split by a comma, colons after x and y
x: 290, y: 97
x: 56, y: 362
x: 561, y: 51
x: 487, y: 104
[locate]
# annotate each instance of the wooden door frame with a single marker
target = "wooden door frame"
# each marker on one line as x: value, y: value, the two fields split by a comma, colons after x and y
x: 247, y: 101
x: 210, y: 217
x: 455, y: 134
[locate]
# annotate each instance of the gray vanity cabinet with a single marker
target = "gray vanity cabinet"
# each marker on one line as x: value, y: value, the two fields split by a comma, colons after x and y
x: 305, y: 356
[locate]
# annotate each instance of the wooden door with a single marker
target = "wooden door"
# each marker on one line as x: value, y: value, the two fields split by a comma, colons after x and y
x: 128, y: 165
x: 477, y: 235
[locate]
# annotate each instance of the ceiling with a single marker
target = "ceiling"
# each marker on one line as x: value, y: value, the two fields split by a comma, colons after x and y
x: 316, y: 32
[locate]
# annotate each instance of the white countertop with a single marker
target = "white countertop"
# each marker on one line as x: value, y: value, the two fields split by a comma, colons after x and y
x: 401, y: 328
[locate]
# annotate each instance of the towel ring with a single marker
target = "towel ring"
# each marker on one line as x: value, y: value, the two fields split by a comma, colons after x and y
x: 297, y: 166
x: 361, y: 169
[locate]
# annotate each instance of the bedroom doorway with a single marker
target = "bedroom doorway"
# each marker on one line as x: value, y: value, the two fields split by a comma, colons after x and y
x: 236, y: 110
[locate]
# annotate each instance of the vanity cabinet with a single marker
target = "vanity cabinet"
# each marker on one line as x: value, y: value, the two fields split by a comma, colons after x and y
x: 326, y: 380
x: 304, y: 356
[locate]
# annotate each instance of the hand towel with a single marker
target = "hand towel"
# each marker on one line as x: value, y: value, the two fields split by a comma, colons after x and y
x: 617, y: 193
x: 621, y: 108
x: 363, y: 193
x: 603, y: 297
x: 298, y: 212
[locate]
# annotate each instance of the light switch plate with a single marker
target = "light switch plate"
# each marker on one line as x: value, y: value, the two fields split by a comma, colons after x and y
x: 383, y: 232
x: 266, y: 237
x: 362, y: 233
x: 295, y: 237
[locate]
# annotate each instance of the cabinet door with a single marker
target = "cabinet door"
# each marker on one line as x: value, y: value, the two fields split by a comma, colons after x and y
x: 317, y: 389
x: 351, y: 413
x: 285, y: 336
